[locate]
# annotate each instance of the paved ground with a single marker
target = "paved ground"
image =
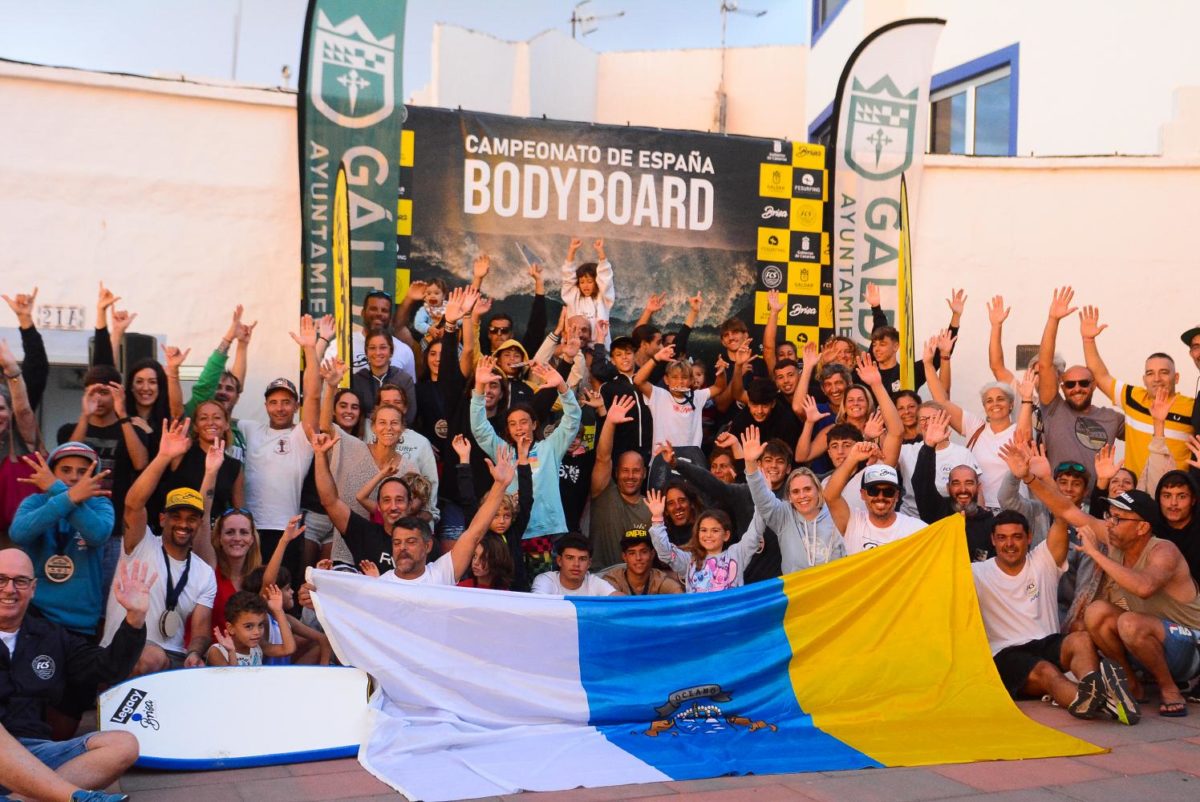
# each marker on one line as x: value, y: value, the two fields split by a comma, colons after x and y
x: 1156, y: 761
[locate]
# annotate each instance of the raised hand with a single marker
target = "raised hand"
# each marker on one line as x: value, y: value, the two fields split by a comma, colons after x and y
x: 293, y: 530
x: 601, y: 330
x: 862, y: 451
x: 1161, y: 405
x: 462, y: 447
x: 945, y: 343
x: 665, y: 354
x: 132, y: 586
x: 619, y: 409
x: 225, y: 641
x: 176, y: 438
x: 868, y: 371
x: 667, y: 452
x: 656, y: 302
x: 598, y: 247
x: 957, y: 301
x: 244, y: 332
x: 720, y: 366
x: 22, y: 307
x: 1060, y: 304
x: 307, y: 338
x: 1106, y: 463
x: 322, y: 442
x: 657, y: 503
x: 118, y: 398
x: 810, y: 354
x: 41, y: 478
x: 752, y: 445
x: 482, y: 307
x: 535, y: 272
x: 524, y: 445
x: 937, y: 431
x: 481, y: 266
x: 1039, y: 464
x: 416, y: 291
x: 1193, y: 444
x: 592, y: 398
x: 546, y: 375
x: 774, y: 302
x: 332, y: 370
x: 811, y: 409
x: 503, y: 469
x: 8, y: 360
x: 91, y: 485
x: 174, y: 357
x: 872, y: 295
x: 696, y: 300
x: 728, y: 440
x: 104, y: 300
x: 573, y: 248
x: 214, y: 458
x: 1089, y: 323
x: 368, y: 568
x: 1027, y: 386
x: 121, y: 320
x: 274, y: 599
x: 327, y: 328
x: 875, y: 426
x: 1016, y: 454
x: 486, y: 371
x: 997, y: 311
x: 743, y: 354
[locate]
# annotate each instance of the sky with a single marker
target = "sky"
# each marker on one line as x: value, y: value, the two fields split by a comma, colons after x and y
x: 196, y: 37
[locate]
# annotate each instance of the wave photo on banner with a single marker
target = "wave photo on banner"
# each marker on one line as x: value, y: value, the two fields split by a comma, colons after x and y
x: 876, y: 660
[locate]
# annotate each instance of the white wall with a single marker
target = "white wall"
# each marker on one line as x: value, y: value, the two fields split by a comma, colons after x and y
x: 1096, y: 76
x: 562, y: 78
x: 182, y: 199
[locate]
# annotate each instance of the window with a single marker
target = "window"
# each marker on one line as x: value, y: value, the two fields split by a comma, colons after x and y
x: 823, y: 13
x: 820, y: 136
x: 973, y: 107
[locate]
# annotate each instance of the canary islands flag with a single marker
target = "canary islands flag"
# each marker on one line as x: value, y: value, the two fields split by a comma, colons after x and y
x: 879, y: 659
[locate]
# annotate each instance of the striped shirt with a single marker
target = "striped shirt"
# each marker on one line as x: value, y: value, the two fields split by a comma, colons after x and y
x: 1139, y: 426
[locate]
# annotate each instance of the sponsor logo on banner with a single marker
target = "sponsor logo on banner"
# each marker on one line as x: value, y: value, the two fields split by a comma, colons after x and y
x: 806, y: 246
x: 803, y: 280
x: 353, y: 73
x: 806, y: 215
x: 807, y: 184
x: 128, y: 706
x: 778, y: 153
x: 879, y: 140
x: 772, y: 277
x: 775, y: 181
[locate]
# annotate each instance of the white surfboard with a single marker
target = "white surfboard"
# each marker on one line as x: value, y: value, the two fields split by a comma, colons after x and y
x: 221, y: 718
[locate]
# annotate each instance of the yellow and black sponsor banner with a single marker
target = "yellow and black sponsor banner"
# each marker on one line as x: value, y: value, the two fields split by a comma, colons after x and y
x: 679, y: 211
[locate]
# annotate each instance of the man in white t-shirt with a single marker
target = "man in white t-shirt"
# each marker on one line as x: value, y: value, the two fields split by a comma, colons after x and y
x: 879, y: 523
x: 186, y: 587
x: 948, y: 457
x: 412, y: 539
x: 377, y: 316
x: 573, y: 556
x: 1018, y: 600
x: 277, y: 458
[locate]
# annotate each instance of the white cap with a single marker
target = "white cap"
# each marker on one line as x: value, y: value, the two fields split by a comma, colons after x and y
x: 880, y: 474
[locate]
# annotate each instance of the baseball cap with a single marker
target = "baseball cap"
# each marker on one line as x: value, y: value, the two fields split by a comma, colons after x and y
x: 624, y: 343
x: 282, y: 384
x: 1138, y: 502
x: 1190, y: 335
x: 184, y: 497
x: 880, y: 475
x: 73, y: 449
x: 635, y: 537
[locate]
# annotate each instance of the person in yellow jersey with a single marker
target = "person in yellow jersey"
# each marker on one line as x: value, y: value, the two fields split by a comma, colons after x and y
x: 1160, y: 374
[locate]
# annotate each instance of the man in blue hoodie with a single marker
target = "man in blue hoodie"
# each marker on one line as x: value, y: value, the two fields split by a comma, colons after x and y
x: 63, y: 529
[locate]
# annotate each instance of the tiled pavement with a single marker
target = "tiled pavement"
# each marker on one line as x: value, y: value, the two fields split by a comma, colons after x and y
x: 1156, y: 761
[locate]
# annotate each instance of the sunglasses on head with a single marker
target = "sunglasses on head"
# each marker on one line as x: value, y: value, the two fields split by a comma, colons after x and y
x: 238, y: 511
x: 377, y: 294
x: 1069, y: 467
x: 887, y: 491
x: 1071, y: 384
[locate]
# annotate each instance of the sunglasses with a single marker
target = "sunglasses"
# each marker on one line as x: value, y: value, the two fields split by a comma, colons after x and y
x: 499, y: 330
x: 1074, y: 467
x: 1071, y: 384
x: 377, y: 294
x: 238, y: 511
x: 887, y: 491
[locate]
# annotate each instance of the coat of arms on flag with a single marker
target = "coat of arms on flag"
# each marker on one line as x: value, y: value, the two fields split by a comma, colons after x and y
x: 882, y: 121
x: 353, y: 81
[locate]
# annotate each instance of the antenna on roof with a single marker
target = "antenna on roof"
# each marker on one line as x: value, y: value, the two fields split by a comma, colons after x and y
x: 586, y: 23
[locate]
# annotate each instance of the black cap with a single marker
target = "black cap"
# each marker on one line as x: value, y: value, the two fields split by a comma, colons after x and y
x: 1139, y: 503
x: 635, y: 537
x: 1190, y: 335
x: 282, y: 384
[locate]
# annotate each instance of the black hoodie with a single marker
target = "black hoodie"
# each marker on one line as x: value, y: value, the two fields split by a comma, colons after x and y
x: 1187, y: 538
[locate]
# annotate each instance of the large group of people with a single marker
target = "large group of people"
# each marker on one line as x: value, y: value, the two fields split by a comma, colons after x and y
x: 162, y: 530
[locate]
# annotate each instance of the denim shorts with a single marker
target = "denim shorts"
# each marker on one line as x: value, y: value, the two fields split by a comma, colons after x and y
x: 1181, y: 651
x: 53, y: 753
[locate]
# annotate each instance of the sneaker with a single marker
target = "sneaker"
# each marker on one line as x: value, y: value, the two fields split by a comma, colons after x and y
x: 1089, y: 698
x: 1118, y: 701
x: 98, y: 796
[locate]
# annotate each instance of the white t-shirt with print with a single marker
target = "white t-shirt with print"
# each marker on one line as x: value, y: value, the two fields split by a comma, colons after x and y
x: 438, y: 572
x: 861, y: 534
x: 276, y: 462
x: 677, y: 422
x: 201, y: 589
x: 1022, y: 608
x: 593, y: 585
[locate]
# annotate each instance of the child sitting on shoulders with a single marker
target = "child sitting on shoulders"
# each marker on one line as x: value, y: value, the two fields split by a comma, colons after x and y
x: 241, y: 643
x: 434, y: 308
x: 587, y: 289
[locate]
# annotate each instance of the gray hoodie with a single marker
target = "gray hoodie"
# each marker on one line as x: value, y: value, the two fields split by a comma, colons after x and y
x: 803, y: 543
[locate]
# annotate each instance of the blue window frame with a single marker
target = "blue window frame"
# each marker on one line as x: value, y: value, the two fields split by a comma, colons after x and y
x: 824, y: 12
x: 973, y: 107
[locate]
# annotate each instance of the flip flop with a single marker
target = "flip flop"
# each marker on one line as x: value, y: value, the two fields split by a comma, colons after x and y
x: 1173, y: 709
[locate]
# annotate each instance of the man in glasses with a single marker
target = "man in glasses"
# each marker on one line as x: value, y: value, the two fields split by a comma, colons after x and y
x: 880, y: 523
x: 1074, y: 429
x: 377, y: 316
x: 1148, y: 613
x: 1159, y: 375
x: 40, y: 662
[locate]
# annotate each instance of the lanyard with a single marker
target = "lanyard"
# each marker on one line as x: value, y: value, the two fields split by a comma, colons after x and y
x: 175, y: 590
x: 62, y: 537
x: 645, y: 589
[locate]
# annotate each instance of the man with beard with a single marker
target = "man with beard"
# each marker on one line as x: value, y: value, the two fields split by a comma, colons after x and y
x: 1177, y: 498
x: 637, y: 576
x: 186, y: 586
x: 412, y: 541
x: 880, y: 523
x: 618, y: 506
x: 1135, y: 402
x: 963, y: 489
x: 1073, y: 429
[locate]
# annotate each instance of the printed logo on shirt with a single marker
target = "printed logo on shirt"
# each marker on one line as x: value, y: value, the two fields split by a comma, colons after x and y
x: 1090, y: 434
x: 1031, y: 591
x: 283, y: 446
x: 43, y: 666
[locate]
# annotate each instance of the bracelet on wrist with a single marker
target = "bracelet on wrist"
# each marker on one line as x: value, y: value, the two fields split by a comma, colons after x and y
x: 1023, y: 401
x: 12, y: 377
x: 124, y: 420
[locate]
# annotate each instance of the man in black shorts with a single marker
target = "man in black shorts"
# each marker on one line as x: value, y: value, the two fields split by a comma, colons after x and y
x: 1018, y: 598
